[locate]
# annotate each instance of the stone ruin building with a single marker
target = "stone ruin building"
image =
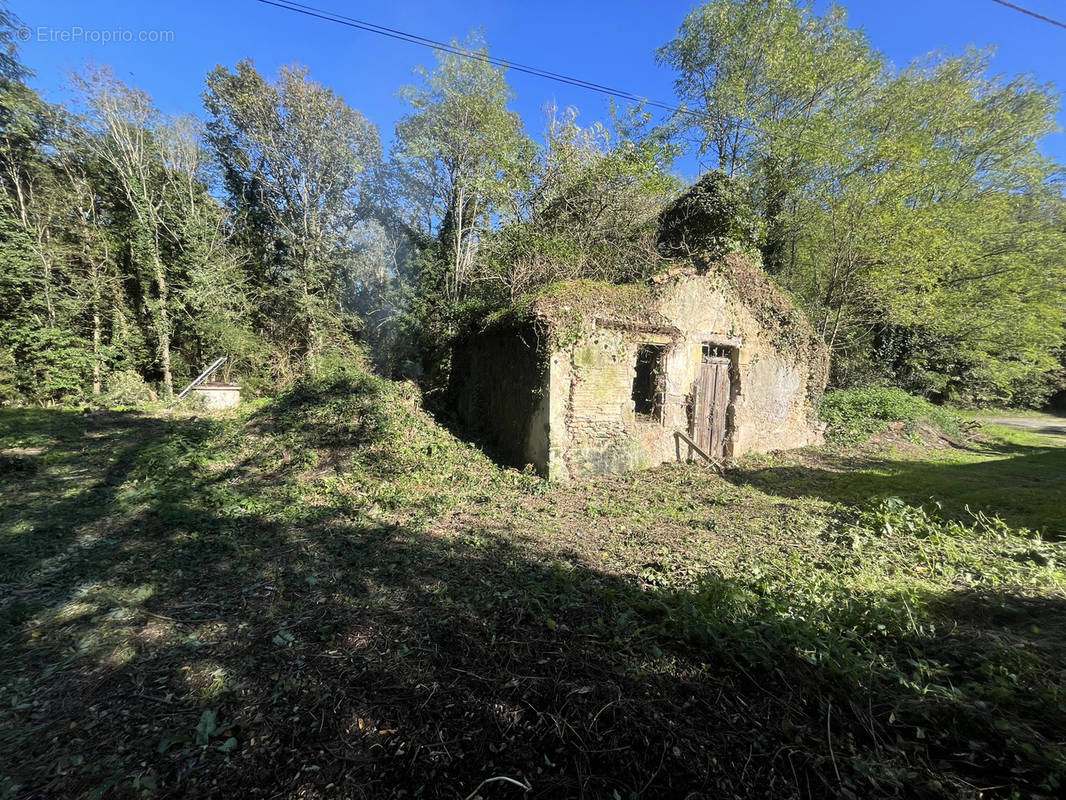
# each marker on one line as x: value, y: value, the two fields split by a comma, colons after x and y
x: 588, y: 378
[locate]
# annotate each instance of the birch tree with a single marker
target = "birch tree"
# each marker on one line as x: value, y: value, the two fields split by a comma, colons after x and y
x: 132, y: 139
x: 462, y: 154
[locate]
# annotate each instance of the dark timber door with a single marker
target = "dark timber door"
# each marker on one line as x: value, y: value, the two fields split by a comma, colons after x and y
x: 712, y: 400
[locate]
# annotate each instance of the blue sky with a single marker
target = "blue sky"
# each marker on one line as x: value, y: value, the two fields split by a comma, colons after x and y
x: 606, y: 42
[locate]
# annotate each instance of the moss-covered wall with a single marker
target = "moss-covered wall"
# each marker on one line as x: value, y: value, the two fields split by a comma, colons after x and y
x: 499, y: 389
x: 594, y: 429
x: 551, y: 384
x: 772, y: 408
x: 592, y: 425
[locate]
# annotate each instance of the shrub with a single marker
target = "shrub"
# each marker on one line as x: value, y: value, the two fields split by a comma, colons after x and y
x: 52, y: 365
x: 853, y: 415
x: 713, y: 216
x: 126, y: 388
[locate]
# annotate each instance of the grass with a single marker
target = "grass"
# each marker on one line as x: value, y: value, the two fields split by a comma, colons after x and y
x: 329, y: 595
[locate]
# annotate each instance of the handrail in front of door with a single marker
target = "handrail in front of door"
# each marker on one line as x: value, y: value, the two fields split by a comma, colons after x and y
x: 681, y: 436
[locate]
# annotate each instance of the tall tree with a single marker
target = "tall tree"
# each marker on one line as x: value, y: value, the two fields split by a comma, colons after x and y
x: 46, y: 361
x: 462, y: 154
x: 769, y: 84
x: 935, y: 243
x: 294, y: 159
x: 591, y: 207
x: 134, y: 140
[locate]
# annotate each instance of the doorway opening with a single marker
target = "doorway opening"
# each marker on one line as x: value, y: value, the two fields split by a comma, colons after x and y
x: 715, y: 389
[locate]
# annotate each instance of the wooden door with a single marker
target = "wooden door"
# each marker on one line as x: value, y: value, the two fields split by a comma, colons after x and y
x: 712, y: 405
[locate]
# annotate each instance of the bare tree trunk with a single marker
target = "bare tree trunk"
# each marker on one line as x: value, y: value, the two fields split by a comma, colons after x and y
x: 49, y: 308
x: 163, y: 328
x: 457, y: 248
x: 41, y: 247
x: 97, y: 387
x: 310, y: 332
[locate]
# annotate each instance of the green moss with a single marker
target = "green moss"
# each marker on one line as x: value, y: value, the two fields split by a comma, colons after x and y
x: 585, y: 357
x: 566, y: 310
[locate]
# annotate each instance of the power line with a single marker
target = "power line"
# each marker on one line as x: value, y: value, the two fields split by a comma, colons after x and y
x: 484, y: 57
x: 1030, y: 13
x: 495, y: 61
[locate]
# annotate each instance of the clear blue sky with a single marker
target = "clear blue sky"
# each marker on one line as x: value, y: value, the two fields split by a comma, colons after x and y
x: 606, y: 42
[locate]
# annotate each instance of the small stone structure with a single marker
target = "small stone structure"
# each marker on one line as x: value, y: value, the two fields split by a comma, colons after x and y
x: 217, y: 395
x: 588, y: 378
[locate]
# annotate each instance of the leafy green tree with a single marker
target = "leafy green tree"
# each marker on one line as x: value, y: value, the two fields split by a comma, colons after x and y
x: 44, y: 358
x: 294, y: 158
x: 908, y: 209
x: 91, y: 246
x: 935, y: 253
x: 460, y: 160
x: 767, y: 84
x: 33, y: 196
x: 591, y: 207
x: 133, y: 139
x: 462, y: 157
x: 51, y: 364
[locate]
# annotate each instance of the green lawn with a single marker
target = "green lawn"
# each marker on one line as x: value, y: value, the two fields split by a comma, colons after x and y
x: 1017, y: 475
x: 330, y: 596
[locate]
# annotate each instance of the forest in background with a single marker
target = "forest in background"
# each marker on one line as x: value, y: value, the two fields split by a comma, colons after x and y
x: 908, y: 210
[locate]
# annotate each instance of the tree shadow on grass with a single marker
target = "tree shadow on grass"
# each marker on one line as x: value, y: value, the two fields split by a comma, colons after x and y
x: 44, y: 518
x: 195, y: 652
x: 1024, y: 486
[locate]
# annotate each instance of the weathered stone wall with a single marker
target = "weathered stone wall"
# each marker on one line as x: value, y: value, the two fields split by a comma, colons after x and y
x: 499, y: 392
x: 771, y: 407
x: 594, y: 429
x: 214, y: 397
x: 563, y: 400
x: 592, y: 425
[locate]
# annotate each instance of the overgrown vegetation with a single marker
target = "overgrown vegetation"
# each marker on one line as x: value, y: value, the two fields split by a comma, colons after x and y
x: 907, y: 208
x: 853, y: 415
x: 327, y: 594
x: 331, y: 580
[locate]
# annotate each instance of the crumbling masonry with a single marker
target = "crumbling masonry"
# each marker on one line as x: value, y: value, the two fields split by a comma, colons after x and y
x: 591, y: 378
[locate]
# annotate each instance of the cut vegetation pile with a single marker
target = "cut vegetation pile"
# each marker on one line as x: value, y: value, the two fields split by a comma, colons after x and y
x: 328, y: 595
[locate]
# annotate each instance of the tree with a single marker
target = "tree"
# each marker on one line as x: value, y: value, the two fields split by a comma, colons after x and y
x: 32, y: 193
x: 134, y: 140
x: 91, y: 249
x: 462, y: 155
x: 294, y: 159
x: 767, y: 85
x: 46, y: 361
x: 591, y: 207
x: 909, y: 209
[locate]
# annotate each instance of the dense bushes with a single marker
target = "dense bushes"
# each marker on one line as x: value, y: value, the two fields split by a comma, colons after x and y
x: 127, y: 388
x: 854, y: 414
x: 712, y: 216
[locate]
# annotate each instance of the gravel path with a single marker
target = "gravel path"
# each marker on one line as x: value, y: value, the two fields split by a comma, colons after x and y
x: 1042, y: 423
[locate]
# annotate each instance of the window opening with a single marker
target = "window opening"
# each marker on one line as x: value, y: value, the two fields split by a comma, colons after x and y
x: 648, y: 382
x: 716, y: 352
